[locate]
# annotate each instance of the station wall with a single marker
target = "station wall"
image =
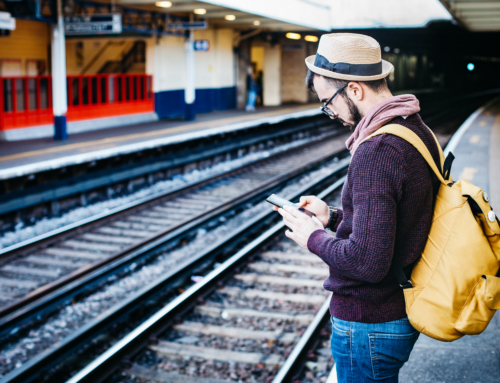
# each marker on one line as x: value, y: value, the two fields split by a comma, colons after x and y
x: 88, y: 56
x: 214, y: 73
x: 283, y: 69
x: 271, y: 83
x: 26, y: 50
x: 293, y: 71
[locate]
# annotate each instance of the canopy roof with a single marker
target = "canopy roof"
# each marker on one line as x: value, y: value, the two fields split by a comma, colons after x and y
x: 277, y: 15
x: 475, y: 15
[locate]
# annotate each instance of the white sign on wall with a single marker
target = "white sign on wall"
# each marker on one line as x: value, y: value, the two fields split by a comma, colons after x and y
x: 98, y: 24
x: 7, y: 21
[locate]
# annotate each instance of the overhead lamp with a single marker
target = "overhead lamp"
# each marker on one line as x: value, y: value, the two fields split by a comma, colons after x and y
x: 200, y: 11
x: 256, y: 22
x: 311, y: 38
x: 163, y: 4
x: 230, y: 17
x: 470, y: 66
x: 293, y: 36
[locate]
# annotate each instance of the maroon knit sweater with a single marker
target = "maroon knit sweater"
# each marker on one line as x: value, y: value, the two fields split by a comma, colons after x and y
x: 387, y: 205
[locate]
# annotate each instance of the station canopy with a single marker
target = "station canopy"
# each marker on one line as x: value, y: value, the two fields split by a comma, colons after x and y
x: 296, y: 15
x: 276, y: 15
x: 476, y: 15
x: 353, y: 14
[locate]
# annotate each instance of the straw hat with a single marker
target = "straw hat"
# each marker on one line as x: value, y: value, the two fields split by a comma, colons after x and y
x: 349, y: 56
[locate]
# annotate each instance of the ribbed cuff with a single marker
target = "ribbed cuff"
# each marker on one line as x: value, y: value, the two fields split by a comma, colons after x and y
x: 316, y: 241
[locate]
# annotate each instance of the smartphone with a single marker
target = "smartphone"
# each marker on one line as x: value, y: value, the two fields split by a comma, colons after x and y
x: 280, y: 202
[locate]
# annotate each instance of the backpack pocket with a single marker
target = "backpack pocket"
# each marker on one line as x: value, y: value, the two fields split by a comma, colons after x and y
x: 480, y: 306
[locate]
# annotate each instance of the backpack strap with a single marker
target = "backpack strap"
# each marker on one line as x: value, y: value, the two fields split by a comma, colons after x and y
x: 407, y: 135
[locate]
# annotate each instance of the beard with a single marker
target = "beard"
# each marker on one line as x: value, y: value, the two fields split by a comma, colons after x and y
x: 354, y: 114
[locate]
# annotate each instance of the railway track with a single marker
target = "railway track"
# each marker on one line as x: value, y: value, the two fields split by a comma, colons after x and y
x: 272, y: 172
x: 31, y: 270
x: 28, y: 198
x: 255, y: 318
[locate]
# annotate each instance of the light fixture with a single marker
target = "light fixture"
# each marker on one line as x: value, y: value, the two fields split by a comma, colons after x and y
x: 230, y: 17
x: 387, y: 49
x: 311, y: 38
x: 163, y: 4
x: 200, y: 11
x: 256, y: 22
x: 293, y: 36
x: 470, y: 66
x: 396, y: 50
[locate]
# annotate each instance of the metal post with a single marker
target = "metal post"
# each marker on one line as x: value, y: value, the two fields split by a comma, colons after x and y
x: 59, y: 100
x: 189, y: 92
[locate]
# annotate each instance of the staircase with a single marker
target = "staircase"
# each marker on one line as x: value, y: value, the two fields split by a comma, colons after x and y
x: 134, y: 61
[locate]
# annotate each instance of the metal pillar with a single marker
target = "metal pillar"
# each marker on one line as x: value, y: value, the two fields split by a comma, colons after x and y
x: 59, y: 97
x: 189, y: 92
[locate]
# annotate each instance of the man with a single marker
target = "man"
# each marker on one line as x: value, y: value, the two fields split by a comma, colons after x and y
x: 387, y: 205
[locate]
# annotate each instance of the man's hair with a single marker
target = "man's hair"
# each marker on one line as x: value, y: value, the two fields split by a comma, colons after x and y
x: 376, y: 85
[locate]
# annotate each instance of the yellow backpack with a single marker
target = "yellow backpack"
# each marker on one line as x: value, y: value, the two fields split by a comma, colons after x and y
x: 454, y: 289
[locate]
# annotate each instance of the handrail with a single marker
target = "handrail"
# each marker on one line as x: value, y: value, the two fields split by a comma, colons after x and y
x: 27, y: 100
x: 96, y: 57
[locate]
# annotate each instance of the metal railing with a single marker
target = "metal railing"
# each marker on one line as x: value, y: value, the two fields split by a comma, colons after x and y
x: 27, y: 101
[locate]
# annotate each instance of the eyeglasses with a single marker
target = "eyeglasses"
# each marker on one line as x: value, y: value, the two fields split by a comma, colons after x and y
x: 327, y: 110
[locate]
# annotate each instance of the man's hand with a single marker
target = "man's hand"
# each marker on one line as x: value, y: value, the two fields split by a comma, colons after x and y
x: 316, y: 206
x: 301, y: 224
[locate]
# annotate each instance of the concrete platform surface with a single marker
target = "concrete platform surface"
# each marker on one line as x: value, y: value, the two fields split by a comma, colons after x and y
x: 26, y: 157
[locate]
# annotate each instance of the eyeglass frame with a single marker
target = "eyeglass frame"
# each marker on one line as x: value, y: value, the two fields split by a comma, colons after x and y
x: 325, y: 108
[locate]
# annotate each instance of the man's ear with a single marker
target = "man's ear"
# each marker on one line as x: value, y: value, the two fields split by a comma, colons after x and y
x: 355, y: 90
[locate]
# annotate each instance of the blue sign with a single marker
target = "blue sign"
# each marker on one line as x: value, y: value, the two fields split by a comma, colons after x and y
x: 202, y: 45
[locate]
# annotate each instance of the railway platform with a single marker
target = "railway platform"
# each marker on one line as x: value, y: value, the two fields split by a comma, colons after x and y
x: 33, y: 156
x: 473, y: 358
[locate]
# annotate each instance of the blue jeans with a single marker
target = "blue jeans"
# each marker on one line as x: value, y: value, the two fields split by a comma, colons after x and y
x: 371, y: 352
x: 252, y: 97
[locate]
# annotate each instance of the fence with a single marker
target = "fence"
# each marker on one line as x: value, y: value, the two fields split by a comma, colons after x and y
x: 27, y: 101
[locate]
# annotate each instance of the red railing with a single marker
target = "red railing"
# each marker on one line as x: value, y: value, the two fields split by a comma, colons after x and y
x: 27, y: 101
x: 106, y: 95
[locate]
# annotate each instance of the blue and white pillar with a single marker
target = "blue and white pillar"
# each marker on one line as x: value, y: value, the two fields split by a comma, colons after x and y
x: 189, y: 92
x: 59, y: 96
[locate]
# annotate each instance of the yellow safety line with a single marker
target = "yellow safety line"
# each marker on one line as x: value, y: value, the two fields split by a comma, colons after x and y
x: 207, y: 124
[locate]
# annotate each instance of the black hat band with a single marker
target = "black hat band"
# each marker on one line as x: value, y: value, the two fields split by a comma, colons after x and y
x: 345, y: 68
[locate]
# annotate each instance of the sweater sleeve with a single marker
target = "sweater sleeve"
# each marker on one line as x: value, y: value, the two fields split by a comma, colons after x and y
x: 376, y: 174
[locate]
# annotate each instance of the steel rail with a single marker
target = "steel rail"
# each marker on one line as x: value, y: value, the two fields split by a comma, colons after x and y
x: 67, y: 291
x: 6, y: 313
x: 304, y: 344
x: 99, y: 369
x: 46, y: 238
